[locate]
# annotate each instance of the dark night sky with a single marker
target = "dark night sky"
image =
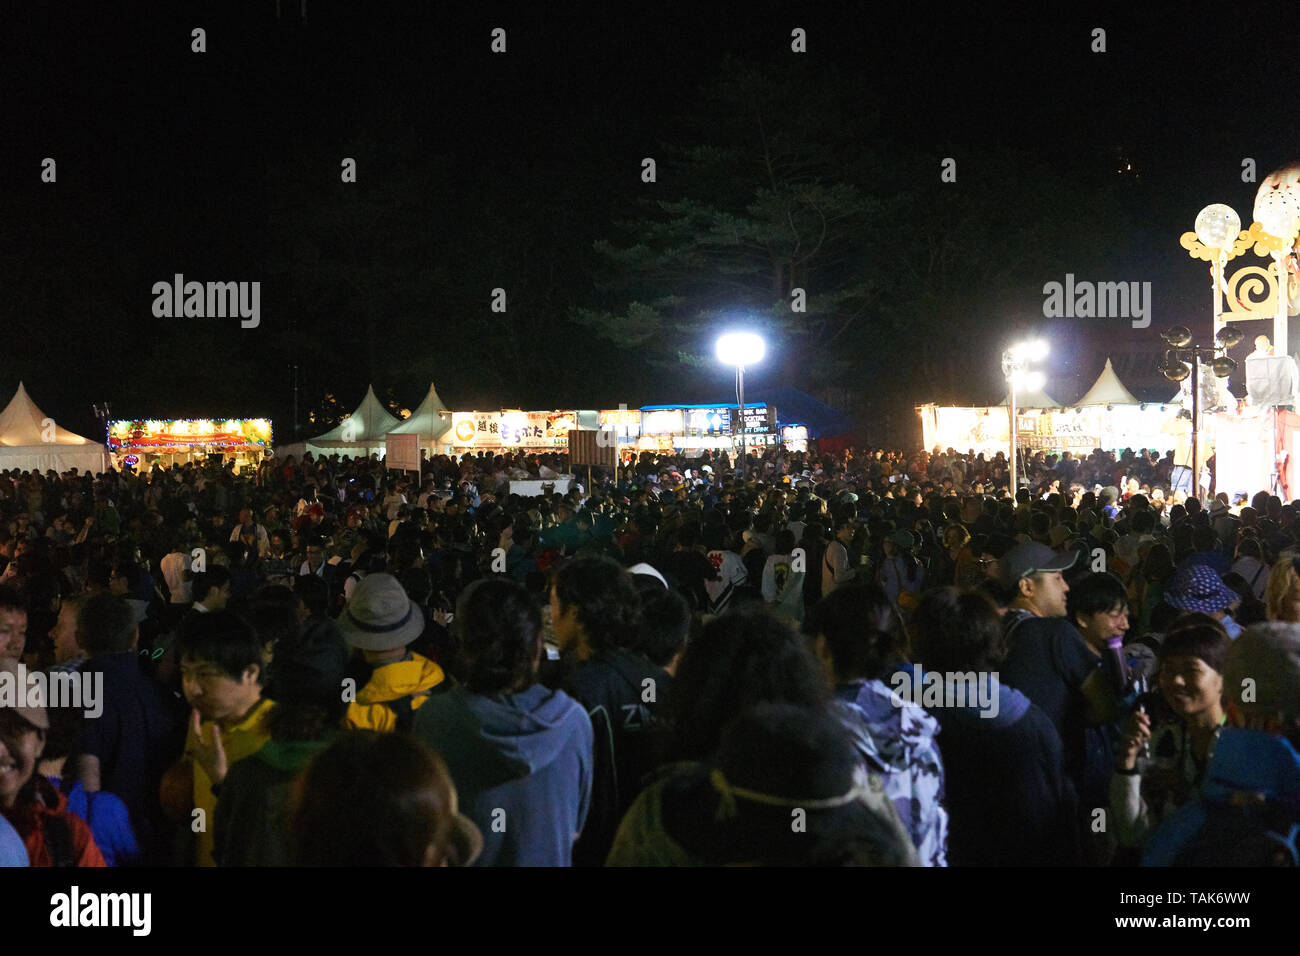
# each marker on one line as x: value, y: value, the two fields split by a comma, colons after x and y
x: 165, y: 158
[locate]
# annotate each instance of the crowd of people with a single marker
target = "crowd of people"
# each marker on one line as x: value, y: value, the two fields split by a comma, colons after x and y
x: 859, y: 658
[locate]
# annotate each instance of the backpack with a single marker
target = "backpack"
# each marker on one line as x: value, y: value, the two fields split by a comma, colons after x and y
x: 1248, y: 813
x: 403, y: 708
x: 1244, y: 835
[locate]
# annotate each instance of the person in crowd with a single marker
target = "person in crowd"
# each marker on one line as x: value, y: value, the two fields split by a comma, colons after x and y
x: 1008, y: 797
x: 1051, y: 663
x: 107, y: 816
x: 665, y: 626
x: 382, y: 622
x: 51, y: 834
x: 1250, y: 565
x: 251, y: 824
x: 858, y: 635
x: 211, y: 589
x: 520, y: 754
x: 221, y: 671
x: 1197, y: 587
x: 141, y: 728
x: 836, y: 568
x: 375, y: 799
x: 783, y: 577
x: 901, y: 574
x: 12, y: 851
x: 1247, y: 813
x: 1166, y: 743
x: 773, y: 761
x: 13, y: 624
x: 1281, y: 595
x: 728, y: 565
x: 596, y: 614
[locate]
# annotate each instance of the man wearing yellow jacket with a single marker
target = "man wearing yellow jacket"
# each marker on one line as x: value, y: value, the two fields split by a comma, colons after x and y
x: 382, y: 621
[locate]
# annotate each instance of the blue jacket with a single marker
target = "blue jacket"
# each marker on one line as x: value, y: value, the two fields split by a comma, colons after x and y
x: 522, y: 765
x: 109, y: 821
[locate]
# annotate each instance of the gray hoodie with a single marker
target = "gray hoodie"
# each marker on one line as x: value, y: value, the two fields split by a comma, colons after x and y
x: 522, y: 765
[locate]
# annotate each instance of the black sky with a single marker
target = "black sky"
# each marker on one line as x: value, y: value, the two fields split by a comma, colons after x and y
x: 165, y: 157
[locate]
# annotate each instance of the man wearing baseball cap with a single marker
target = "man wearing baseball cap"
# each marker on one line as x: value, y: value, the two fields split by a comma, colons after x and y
x: 1049, y: 662
x: 1248, y: 813
x: 381, y: 621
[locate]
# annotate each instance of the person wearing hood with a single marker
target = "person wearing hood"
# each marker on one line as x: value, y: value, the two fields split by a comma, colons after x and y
x: 858, y: 636
x: 775, y: 762
x: 1008, y: 798
x: 520, y: 754
x: 381, y: 621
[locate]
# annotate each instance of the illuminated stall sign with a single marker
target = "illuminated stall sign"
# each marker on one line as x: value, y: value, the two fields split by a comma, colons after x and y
x: 668, y: 421
x: 512, y: 429
x: 795, y: 437
x: 708, y: 421
x: 760, y: 420
x: 623, y: 422
x: 621, y: 418
x: 185, y: 433
x: 1066, y: 430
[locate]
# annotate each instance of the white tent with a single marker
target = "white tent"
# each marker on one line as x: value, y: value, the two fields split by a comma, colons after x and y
x: 430, y: 421
x: 1107, y: 390
x: 359, y: 435
x: 32, y: 441
x: 1027, y: 399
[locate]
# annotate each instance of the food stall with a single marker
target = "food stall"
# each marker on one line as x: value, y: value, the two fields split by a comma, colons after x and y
x: 694, y: 427
x: 514, y: 430
x: 141, y: 443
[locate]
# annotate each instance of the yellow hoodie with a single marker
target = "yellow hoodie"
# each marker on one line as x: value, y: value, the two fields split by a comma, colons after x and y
x: 414, y: 677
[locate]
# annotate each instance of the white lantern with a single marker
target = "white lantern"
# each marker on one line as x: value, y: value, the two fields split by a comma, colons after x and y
x: 1217, y: 226
x: 1275, y: 210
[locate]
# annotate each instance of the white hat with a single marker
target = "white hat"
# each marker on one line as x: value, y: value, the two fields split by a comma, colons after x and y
x: 648, y: 571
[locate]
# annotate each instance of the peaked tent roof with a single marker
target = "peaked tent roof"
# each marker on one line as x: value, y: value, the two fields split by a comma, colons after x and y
x: 1108, y: 390
x: 426, y: 421
x: 366, y: 426
x: 1024, y: 399
x: 21, y: 425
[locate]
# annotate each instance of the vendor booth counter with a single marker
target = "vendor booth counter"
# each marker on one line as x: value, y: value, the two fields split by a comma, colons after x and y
x: 142, y: 443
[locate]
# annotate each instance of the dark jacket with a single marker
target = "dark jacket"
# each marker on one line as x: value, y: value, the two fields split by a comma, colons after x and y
x: 1008, y: 798
x: 251, y: 825
x: 623, y: 693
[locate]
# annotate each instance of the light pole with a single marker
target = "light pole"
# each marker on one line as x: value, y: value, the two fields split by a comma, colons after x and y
x: 741, y: 349
x: 1176, y: 367
x: 1015, y: 368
